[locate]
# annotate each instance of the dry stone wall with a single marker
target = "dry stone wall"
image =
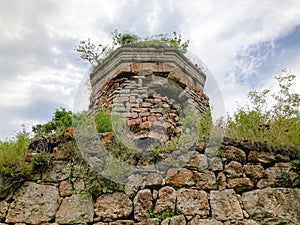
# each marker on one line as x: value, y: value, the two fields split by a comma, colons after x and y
x: 241, y: 183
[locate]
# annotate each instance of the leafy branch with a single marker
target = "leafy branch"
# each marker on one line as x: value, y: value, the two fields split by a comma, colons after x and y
x: 95, y: 53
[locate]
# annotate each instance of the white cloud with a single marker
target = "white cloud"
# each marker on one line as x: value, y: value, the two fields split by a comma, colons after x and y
x: 51, y: 84
x: 36, y: 45
x: 225, y: 34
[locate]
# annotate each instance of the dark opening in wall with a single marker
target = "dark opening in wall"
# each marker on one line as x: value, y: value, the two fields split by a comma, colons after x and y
x: 147, y: 143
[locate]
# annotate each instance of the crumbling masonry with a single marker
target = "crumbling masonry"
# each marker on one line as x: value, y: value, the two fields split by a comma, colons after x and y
x: 144, y: 84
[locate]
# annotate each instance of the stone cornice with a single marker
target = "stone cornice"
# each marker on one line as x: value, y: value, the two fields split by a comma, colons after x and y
x: 154, y: 54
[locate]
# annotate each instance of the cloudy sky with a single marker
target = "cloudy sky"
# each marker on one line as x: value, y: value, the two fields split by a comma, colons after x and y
x: 243, y: 43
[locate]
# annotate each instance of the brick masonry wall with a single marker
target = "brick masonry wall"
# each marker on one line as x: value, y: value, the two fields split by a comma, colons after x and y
x: 147, y: 85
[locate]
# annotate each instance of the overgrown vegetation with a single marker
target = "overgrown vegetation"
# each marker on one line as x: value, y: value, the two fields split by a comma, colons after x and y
x: 260, y: 120
x: 96, y: 53
x: 268, y: 117
x: 167, y: 147
x: 103, y: 120
x: 12, y: 155
x: 42, y: 161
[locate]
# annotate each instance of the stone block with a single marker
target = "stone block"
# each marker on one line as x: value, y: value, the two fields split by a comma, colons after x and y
x: 197, y: 162
x: 134, y: 122
x: 3, y: 209
x: 76, y: 209
x: 215, y: 164
x: 166, y: 200
x: 255, y: 172
x: 191, y: 202
x: 157, y: 110
x: 113, y: 206
x: 211, y: 151
x: 206, y: 180
x: 143, y: 205
x: 240, y: 184
x: 225, y: 205
x: 152, y: 118
x: 273, y: 205
x: 180, y: 177
x: 133, y: 184
x: 233, y: 169
x: 154, y: 180
x: 59, y: 171
x: 122, y: 222
x: 198, y: 221
x: 233, y: 153
x: 175, y: 220
x: 261, y: 157
x: 65, y: 189
x: 132, y: 99
x: 281, y: 175
x: 146, y: 104
x: 34, y: 204
x: 145, y: 125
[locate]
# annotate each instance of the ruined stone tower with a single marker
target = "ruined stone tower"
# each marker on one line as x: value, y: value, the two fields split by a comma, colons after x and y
x: 147, y: 85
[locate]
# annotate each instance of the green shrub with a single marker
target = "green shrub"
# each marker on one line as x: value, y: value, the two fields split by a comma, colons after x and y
x: 96, y: 53
x: 206, y: 125
x: 42, y: 161
x: 279, y: 124
x: 103, y: 121
x: 61, y: 120
x: 12, y: 155
x: 167, y: 147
